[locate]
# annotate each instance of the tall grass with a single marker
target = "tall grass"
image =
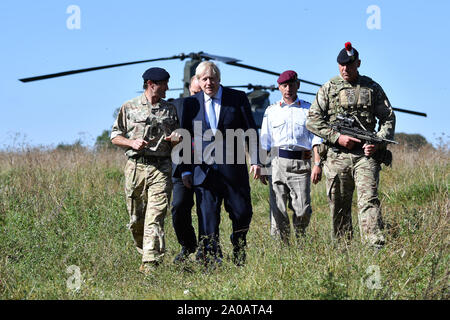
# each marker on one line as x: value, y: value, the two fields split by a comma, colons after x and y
x: 64, y: 208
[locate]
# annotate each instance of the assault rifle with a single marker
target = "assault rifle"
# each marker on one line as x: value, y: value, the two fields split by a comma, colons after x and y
x: 346, y: 125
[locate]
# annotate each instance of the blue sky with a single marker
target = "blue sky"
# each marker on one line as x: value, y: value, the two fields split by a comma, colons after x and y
x: 408, y: 56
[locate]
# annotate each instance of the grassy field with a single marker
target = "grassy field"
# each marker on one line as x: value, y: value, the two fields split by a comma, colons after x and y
x: 66, y: 208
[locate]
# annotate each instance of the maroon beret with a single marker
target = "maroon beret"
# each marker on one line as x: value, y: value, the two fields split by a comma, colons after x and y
x: 287, y: 76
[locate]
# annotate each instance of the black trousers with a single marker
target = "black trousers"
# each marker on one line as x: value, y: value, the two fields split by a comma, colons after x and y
x: 182, y: 203
x: 237, y: 202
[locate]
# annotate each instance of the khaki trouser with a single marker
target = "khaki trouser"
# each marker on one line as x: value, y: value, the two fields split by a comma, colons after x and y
x: 343, y: 172
x: 290, y: 185
x: 147, y: 189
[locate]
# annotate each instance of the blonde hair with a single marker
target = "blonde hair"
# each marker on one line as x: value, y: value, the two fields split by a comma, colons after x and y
x: 204, y: 66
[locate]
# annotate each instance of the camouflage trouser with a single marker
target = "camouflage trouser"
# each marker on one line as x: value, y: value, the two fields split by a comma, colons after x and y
x: 148, y: 188
x: 290, y: 183
x: 343, y: 172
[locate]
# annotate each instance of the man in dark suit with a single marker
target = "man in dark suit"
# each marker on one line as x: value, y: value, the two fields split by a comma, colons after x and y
x: 216, y: 174
x: 183, y: 198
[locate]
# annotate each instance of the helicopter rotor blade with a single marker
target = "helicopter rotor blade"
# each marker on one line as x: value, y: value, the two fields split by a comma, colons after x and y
x: 182, y: 56
x: 234, y: 62
x: 66, y: 73
x: 174, y: 89
x: 218, y: 58
x: 253, y: 68
x: 309, y: 93
x: 411, y: 112
x: 255, y: 87
x: 271, y: 88
x: 243, y: 86
x: 267, y: 71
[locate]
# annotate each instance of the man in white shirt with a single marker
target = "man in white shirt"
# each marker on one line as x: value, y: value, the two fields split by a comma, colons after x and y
x: 283, y: 132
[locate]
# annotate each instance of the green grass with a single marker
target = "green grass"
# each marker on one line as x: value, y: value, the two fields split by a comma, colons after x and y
x: 64, y: 208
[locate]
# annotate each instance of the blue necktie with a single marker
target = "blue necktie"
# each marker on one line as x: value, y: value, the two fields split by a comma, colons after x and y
x: 212, y: 116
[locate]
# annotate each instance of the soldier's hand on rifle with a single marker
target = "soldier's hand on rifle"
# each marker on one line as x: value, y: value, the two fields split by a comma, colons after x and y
x: 138, y: 144
x: 347, y: 141
x: 369, y: 149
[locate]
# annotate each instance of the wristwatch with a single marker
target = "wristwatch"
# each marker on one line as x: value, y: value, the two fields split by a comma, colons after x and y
x: 319, y: 164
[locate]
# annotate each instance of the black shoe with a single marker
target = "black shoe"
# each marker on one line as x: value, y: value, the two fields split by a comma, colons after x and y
x: 209, y: 259
x: 211, y: 262
x: 183, y: 256
x: 200, y: 256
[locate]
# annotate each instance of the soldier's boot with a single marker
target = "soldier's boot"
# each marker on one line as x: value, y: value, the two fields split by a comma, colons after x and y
x: 377, y: 246
x: 149, y: 267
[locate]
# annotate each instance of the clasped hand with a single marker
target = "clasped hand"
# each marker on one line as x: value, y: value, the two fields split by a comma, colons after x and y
x: 349, y: 142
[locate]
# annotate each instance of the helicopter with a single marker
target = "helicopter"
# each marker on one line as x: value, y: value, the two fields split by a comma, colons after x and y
x: 258, y: 96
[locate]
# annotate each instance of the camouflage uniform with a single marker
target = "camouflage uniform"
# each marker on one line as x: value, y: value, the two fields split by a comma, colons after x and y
x: 147, y: 171
x: 345, y: 169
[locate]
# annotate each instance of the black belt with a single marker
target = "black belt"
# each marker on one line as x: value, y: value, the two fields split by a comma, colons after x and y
x: 149, y: 159
x: 288, y: 154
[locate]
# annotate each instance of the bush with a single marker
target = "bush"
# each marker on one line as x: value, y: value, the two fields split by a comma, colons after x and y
x: 104, y: 142
x: 413, y: 141
x: 77, y: 145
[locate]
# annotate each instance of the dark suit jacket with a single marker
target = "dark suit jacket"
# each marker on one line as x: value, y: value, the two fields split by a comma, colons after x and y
x: 235, y: 113
x: 178, y: 103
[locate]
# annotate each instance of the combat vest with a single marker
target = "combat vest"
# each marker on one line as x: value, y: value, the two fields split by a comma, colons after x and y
x: 356, y: 99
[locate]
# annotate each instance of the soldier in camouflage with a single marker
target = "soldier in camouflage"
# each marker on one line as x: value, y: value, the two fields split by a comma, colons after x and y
x: 349, y: 162
x: 144, y: 127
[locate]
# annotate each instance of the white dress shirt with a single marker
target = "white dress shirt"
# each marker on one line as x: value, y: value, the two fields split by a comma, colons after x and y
x: 217, y: 100
x: 284, y: 126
